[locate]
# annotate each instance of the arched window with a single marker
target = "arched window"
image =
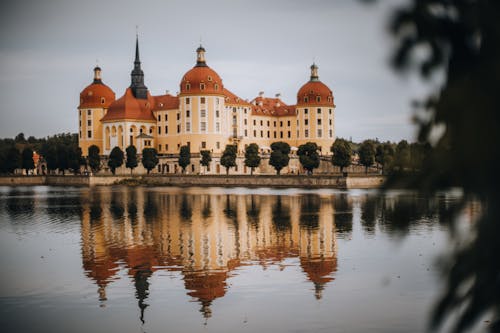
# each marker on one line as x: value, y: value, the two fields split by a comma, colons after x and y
x: 103, y: 100
x: 188, y: 86
x: 202, y: 86
x: 306, y: 99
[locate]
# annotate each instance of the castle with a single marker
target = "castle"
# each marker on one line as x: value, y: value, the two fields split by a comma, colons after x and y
x: 205, y: 115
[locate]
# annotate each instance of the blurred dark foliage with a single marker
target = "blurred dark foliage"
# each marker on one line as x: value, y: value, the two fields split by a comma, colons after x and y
x: 460, y: 38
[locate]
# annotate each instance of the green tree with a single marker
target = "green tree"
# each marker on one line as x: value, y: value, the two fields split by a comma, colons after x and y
x: 252, y: 158
x: 75, y: 159
x: 384, y: 155
x: 228, y: 158
x: 184, y: 157
x: 308, y: 156
x: 62, y: 152
x: 20, y: 138
x: 115, y: 159
x: 13, y: 160
x: 342, y: 153
x: 50, y: 156
x: 149, y: 158
x: 27, y: 160
x: 279, y: 155
x: 93, y: 158
x: 206, y: 158
x: 367, y: 154
x: 402, y: 157
x: 131, y: 162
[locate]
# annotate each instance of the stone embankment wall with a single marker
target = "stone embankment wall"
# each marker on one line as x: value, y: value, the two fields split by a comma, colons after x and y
x: 316, y: 181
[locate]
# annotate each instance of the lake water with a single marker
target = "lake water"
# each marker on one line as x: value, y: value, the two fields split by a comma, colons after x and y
x: 163, y: 259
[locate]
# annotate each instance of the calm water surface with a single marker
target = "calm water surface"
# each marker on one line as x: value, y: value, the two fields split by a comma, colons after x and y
x: 146, y: 259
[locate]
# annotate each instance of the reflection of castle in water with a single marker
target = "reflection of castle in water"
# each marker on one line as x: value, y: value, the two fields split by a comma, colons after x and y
x: 204, y: 237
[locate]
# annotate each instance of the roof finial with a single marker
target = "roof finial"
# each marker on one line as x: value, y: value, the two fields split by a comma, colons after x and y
x: 314, y: 72
x: 200, y: 58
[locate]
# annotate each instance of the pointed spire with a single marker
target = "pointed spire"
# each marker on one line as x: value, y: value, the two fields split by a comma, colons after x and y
x: 314, y: 72
x: 200, y: 57
x: 137, y: 75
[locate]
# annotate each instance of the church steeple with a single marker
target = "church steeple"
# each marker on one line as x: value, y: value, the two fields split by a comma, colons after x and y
x: 137, y: 75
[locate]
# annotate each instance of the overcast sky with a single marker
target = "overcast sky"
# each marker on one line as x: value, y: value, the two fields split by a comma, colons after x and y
x: 49, y: 48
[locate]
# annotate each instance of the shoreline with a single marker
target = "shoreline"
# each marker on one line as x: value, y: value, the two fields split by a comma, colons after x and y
x: 355, y: 181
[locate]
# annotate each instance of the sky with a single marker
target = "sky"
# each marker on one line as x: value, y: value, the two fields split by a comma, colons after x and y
x: 48, y: 50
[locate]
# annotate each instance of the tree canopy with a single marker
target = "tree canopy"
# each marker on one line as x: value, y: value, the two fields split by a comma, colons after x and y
x: 279, y: 155
x: 252, y: 158
x: 131, y: 162
x: 206, y: 158
x: 115, y: 159
x: 342, y: 153
x: 27, y: 160
x: 149, y: 159
x: 367, y: 154
x: 308, y: 156
x: 184, y: 157
x: 228, y: 158
x: 94, y: 160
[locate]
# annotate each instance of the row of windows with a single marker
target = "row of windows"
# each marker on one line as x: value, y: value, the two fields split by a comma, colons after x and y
x: 318, y: 99
x: 202, y: 86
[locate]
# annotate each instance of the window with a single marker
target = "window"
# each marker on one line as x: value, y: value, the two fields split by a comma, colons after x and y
x: 268, y: 123
x: 306, y: 122
x: 89, y: 122
x: 235, y: 132
x: 268, y: 134
x: 288, y: 123
x: 234, y: 121
x: 261, y: 123
x: 103, y: 100
x: 159, y: 130
x: 245, y: 121
x: 131, y: 130
x: 188, y: 114
x: 188, y: 86
x: 209, y: 78
x: 306, y: 133
x: 329, y: 111
x: 254, y: 133
x: 274, y: 123
x: 330, y: 133
x: 234, y: 109
x: 202, y: 99
x: 217, y: 114
x: 178, y: 128
x: 166, y: 117
x: 319, y: 111
x: 320, y: 132
x: 178, y: 116
x: 89, y: 112
x: 188, y: 127
x: 281, y: 134
x: 151, y: 130
x: 275, y: 134
x: 159, y: 147
x: 254, y: 122
x: 202, y: 87
x: 203, y: 113
x: 306, y: 111
x: 217, y: 127
x: 89, y: 134
x: 245, y: 110
x: 140, y: 131
x: 80, y: 123
x: 159, y: 118
x: 217, y: 145
x: 319, y: 121
x: 217, y: 100
x: 80, y: 134
x: 203, y: 126
x: 318, y: 98
x: 289, y: 134
x: 281, y: 124
x: 166, y: 147
x: 261, y: 134
x: 329, y: 121
x: 188, y: 101
x: 203, y: 144
x: 306, y: 99
x: 80, y: 113
x: 192, y: 167
x: 166, y: 129
x: 246, y: 133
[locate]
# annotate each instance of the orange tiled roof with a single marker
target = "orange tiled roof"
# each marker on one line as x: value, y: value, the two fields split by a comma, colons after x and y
x: 90, y: 97
x: 166, y: 102
x: 273, y: 107
x: 199, y: 75
x: 232, y: 99
x: 129, y: 107
x: 313, y: 89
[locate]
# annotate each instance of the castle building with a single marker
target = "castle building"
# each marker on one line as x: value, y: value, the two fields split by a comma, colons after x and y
x: 204, y: 115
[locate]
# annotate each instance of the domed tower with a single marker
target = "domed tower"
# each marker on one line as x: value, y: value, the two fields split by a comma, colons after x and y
x: 315, y: 113
x: 94, y: 103
x: 202, y: 123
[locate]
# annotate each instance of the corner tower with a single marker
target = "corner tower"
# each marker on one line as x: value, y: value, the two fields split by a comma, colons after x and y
x: 315, y: 113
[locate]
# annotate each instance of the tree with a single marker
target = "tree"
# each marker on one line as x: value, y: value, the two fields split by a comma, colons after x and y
x: 93, y: 158
x: 308, y: 156
x: 402, y: 156
x: 206, y: 158
x: 184, y: 157
x: 50, y: 156
x: 75, y: 159
x: 384, y: 155
x: 342, y: 153
x: 279, y: 155
x: 27, y: 160
x: 115, y: 159
x: 149, y: 158
x: 62, y: 152
x: 20, y: 138
x: 131, y: 162
x: 228, y: 158
x: 463, y: 43
x: 13, y: 160
x: 367, y: 154
x: 252, y: 158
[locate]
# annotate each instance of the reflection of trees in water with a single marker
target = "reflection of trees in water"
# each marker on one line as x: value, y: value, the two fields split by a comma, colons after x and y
x: 369, y: 214
x: 132, y: 206
x: 281, y: 215
x: 230, y: 209
x: 309, y: 208
x: 63, y: 207
x: 186, y: 209
x: 20, y: 203
x: 206, y: 208
x: 343, y: 215
x: 95, y: 209
x: 141, y: 284
x: 150, y: 207
x: 116, y: 205
x: 253, y: 210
